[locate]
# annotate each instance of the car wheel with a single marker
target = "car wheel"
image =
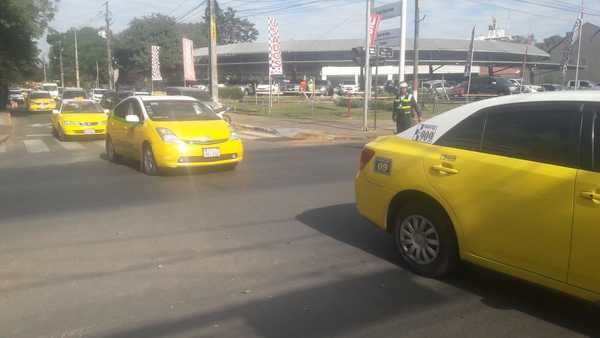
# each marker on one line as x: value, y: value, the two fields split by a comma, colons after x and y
x: 426, y: 240
x: 111, y: 154
x: 148, y: 163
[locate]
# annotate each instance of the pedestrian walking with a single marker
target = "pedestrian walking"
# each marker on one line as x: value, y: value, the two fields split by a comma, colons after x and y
x: 405, y: 108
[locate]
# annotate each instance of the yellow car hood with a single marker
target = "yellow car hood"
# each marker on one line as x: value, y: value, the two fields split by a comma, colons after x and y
x: 42, y: 101
x: 197, y: 130
x: 84, y: 117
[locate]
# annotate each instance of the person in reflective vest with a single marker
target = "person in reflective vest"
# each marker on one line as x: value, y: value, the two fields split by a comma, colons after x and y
x: 405, y: 107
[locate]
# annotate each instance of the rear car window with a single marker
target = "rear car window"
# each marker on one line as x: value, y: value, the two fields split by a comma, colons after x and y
x: 541, y: 133
x: 465, y: 135
x: 43, y: 95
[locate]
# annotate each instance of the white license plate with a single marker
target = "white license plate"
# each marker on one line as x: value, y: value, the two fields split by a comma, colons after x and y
x: 212, y: 152
x: 89, y: 132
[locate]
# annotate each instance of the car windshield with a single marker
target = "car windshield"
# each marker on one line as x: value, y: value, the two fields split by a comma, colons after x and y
x: 81, y: 107
x: 14, y: 92
x: 73, y: 94
x: 179, y: 110
x: 100, y: 91
x: 50, y: 88
x: 40, y: 95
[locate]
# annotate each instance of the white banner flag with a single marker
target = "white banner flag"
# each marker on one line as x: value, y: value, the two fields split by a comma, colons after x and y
x: 189, y: 72
x: 275, y: 61
x: 156, y: 75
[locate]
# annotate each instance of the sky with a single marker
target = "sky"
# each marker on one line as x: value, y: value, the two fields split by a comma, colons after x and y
x: 329, y: 19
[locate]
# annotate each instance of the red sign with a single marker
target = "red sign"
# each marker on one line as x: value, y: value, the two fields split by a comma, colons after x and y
x: 374, y: 29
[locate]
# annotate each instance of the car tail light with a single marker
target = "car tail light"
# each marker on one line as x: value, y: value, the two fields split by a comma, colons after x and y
x: 366, y: 156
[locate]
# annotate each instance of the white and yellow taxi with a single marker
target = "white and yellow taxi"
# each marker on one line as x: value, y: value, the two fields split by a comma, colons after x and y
x: 511, y: 184
x: 171, y: 132
x: 79, y: 118
x: 40, y: 101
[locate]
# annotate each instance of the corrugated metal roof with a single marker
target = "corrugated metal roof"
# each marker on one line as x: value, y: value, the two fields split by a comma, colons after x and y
x: 296, y: 46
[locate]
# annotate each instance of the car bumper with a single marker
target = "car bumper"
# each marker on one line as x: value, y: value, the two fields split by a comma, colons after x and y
x: 372, y: 201
x: 189, y: 156
x: 37, y: 107
x: 84, y: 131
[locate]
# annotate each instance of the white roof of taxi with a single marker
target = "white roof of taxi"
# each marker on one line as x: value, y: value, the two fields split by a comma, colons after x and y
x: 449, y: 119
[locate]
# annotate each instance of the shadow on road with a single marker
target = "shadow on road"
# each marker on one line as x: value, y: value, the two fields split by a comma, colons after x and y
x: 343, y: 223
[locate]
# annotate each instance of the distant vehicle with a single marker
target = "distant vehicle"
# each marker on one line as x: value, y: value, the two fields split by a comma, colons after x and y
x: 324, y: 87
x: 437, y: 86
x: 486, y: 86
x: 73, y: 93
x: 110, y: 99
x: 79, y: 118
x: 171, y: 132
x: 263, y: 89
x: 550, y: 87
x: 51, y: 88
x: 583, y: 85
x: 521, y: 88
x: 16, y: 95
x: 196, y: 93
x: 348, y: 87
x: 97, y: 94
x: 40, y: 101
x: 420, y: 186
x: 290, y: 87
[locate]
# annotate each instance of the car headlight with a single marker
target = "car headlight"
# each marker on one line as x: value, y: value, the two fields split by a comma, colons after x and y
x: 168, y: 136
x: 71, y: 123
x: 234, y: 136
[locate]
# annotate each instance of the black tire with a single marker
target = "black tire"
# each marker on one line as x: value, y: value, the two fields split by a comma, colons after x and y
x: 446, y: 257
x: 147, y: 162
x: 111, y: 153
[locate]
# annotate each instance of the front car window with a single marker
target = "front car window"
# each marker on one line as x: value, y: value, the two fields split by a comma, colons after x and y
x: 81, y: 107
x: 541, y: 133
x: 179, y: 110
x: 40, y: 95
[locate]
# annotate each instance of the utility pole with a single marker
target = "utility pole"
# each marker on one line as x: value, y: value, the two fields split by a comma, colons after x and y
x: 97, y: 75
x: 370, y: 4
x: 60, y: 60
x: 108, y: 47
x: 44, y: 65
x: 212, y: 46
x: 416, y: 52
x: 579, y: 46
x: 403, y: 21
x: 76, y: 61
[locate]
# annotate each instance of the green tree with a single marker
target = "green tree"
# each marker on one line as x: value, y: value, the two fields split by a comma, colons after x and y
x: 132, y: 48
x: 91, y: 49
x: 230, y: 27
x: 21, y: 23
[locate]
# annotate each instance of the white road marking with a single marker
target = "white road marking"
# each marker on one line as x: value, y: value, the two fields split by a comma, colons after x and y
x: 3, y: 148
x: 252, y: 135
x: 71, y: 145
x: 36, y: 146
x: 37, y: 135
x: 41, y: 125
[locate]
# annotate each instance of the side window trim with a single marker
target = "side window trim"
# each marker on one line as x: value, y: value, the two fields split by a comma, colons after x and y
x: 596, y: 142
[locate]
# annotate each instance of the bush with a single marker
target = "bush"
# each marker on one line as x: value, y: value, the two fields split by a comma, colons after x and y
x: 231, y: 93
x: 357, y: 102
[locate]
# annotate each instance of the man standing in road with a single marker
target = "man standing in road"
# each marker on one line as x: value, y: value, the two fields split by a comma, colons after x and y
x: 405, y: 107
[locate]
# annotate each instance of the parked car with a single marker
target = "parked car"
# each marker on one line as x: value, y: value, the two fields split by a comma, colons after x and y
x: 324, y: 87
x: 16, y: 95
x: 97, y: 94
x: 196, y: 93
x: 528, y: 88
x: 289, y: 87
x: 583, y: 85
x: 494, y: 183
x: 263, y: 89
x: 440, y: 87
x: 51, y: 88
x: 347, y: 87
x: 486, y: 86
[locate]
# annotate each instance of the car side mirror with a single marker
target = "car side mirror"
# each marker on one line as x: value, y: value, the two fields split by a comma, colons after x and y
x: 106, y: 111
x: 55, y: 111
x: 132, y: 119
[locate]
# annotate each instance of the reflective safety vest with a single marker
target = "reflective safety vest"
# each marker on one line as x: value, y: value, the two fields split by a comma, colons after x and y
x: 403, y: 104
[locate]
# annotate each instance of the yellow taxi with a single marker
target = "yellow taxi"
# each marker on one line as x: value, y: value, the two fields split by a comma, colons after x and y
x: 79, y: 118
x: 171, y: 132
x: 40, y: 101
x: 511, y: 184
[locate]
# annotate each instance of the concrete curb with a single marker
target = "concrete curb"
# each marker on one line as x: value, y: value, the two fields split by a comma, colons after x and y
x: 256, y: 128
x: 5, y: 129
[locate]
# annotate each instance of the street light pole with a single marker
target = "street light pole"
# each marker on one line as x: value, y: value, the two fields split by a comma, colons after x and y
x: 416, y: 52
x: 76, y: 62
x: 60, y: 60
x: 108, y: 48
x: 212, y: 47
x: 403, y: 21
x: 367, y: 67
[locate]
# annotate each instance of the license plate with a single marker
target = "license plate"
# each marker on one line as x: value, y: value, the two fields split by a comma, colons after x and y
x: 383, y: 166
x: 212, y: 152
x: 89, y: 131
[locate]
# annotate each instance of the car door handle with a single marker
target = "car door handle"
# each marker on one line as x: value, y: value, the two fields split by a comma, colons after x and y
x: 444, y: 170
x: 590, y: 195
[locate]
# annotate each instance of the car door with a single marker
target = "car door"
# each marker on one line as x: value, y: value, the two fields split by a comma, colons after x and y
x: 585, y: 254
x: 135, y: 131
x: 117, y: 127
x: 508, y: 176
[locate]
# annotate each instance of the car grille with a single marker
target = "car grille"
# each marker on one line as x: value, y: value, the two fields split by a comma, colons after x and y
x: 88, y: 124
x: 200, y: 159
x: 199, y: 142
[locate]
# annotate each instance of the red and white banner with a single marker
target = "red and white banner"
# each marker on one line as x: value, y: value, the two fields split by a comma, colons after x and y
x: 275, y: 61
x: 189, y: 72
x: 156, y: 75
x: 374, y: 29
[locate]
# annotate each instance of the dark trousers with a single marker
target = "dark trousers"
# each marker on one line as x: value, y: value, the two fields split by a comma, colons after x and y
x: 403, y: 122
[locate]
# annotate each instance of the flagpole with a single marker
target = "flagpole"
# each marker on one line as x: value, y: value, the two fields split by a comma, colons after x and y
x: 579, y: 47
x: 472, y: 55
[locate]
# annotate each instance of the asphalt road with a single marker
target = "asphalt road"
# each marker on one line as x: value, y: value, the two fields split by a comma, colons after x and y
x: 273, y: 249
